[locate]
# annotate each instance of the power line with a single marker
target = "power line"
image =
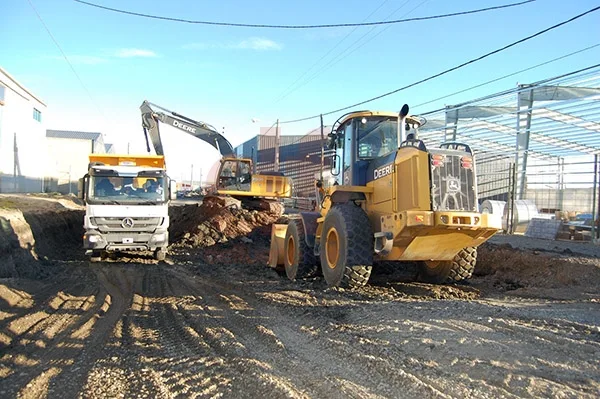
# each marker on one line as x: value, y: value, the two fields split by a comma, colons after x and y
x: 64, y: 55
x: 336, y: 59
x: 284, y: 94
x: 350, y: 48
x: 509, y: 75
x: 450, y: 69
x: 240, y: 25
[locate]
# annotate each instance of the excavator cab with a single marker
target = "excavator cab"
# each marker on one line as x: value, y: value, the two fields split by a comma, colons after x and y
x: 235, y: 174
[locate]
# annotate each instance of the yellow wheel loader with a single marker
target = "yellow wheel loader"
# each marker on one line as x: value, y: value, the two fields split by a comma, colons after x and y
x: 388, y: 200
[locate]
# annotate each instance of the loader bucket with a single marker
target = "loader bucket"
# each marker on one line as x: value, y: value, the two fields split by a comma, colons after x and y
x: 277, y: 244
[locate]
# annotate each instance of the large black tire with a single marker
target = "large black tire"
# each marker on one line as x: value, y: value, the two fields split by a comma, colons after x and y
x: 298, y: 259
x: 96, y: 257
x: 447, y: 272
x: 346, y: 247
x: 160, y: 254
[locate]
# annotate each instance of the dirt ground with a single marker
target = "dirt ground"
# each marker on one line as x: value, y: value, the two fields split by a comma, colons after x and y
x: 214, y: 321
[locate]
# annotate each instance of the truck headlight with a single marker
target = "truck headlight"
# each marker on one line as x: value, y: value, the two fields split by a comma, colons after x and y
x: 93, y: 238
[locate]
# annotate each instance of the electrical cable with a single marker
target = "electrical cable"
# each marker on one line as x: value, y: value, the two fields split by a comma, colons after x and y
x: 350, y: 49
x: 240, y: 25
x: 450, y: 69
x: 66, y: 58
x: 284, y: 94
x: 509, y: 75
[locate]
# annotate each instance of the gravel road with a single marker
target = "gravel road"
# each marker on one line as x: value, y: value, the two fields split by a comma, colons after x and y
x: 186, y: 329
x: 203, y: 324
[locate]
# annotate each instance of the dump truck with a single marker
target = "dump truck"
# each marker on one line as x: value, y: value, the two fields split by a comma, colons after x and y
x: 126, y: 205
x: 389, y: 200
x: 236, y: 176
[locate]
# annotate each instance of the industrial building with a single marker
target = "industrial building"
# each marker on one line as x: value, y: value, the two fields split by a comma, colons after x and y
x: 299, y: 156
x: 33, y: 158
x: 23, y: 152
x: 68, y: 157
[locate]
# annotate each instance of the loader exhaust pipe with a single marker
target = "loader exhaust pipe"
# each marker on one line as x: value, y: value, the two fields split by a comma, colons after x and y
x: 401, y: 124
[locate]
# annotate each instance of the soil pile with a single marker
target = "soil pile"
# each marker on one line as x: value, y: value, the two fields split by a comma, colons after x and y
x: 242, y: 235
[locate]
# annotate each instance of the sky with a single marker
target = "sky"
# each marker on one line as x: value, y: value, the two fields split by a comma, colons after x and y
x: 93, y: 67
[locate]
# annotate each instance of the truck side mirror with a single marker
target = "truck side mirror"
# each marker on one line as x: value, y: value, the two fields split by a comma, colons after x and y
x: 81, y: 188
x: 172, y: 189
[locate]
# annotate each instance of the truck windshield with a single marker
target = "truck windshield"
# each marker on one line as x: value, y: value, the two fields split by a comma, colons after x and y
x: 137, y: 190
x: 377, y: 136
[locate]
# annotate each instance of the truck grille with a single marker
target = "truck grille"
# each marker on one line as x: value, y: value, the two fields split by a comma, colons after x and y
x: 126, y: 224
x: 452, y: 184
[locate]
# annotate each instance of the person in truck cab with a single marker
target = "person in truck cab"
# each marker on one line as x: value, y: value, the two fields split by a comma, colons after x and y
x: 105, y: 188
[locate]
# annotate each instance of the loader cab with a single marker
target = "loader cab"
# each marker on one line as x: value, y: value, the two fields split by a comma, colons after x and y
x: 360, y: 139
x: 235, y: 174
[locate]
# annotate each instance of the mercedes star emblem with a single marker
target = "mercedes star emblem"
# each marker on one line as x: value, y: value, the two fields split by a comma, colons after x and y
x: 127, y: 223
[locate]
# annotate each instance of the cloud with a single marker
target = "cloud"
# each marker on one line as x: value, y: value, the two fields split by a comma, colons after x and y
x: 251, y: 43
x: 259, y: 43
x: 134, y: 52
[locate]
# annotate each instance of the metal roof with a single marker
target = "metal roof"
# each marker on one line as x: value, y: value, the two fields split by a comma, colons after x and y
x: 66, y: 134
x: 556, y: 117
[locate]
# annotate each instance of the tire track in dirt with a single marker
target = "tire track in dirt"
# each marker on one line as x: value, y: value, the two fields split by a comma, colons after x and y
x: 300, y: 365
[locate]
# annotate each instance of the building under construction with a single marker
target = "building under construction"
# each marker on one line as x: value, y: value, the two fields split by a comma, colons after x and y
x: 297, y: 156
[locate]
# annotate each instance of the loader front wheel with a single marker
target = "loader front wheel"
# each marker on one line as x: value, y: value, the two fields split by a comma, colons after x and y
x: 346, y: 246
x: 447, y: 272
x: 299, y: 259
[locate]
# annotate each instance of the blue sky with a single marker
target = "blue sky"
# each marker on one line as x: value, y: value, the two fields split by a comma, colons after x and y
x: 227, y: 76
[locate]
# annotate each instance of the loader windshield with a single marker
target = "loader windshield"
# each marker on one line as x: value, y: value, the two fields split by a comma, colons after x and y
x: 377, y: 136
x: 139, y: 190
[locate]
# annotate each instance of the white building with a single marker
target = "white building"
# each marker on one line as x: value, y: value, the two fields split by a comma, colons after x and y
x: 23, y: 150
x: 68, y: 154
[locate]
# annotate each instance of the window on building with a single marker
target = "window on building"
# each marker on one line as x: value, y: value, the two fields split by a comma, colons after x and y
x: 2, y: 88
x: 37, y: 115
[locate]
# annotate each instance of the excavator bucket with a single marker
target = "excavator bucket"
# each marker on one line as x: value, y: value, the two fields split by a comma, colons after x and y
x: 276, y: 252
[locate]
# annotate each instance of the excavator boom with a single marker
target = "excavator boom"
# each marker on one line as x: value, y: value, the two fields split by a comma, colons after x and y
x: 234, y: 177
x: 198, y: 129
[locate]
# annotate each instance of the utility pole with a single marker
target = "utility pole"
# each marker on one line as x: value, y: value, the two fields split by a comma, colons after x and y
x: 322, y: 149
x: 276, y: 168
x: 192, y: 178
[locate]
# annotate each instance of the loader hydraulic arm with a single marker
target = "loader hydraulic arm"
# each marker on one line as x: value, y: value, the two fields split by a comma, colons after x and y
x: 201, y: 130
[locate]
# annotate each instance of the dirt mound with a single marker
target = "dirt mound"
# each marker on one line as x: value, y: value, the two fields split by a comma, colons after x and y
x: 36, y: 231
x: 218, y: 221
x: 536, y: 272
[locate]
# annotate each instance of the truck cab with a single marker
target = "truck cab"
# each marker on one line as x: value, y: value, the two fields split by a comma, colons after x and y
x: 127, y: 199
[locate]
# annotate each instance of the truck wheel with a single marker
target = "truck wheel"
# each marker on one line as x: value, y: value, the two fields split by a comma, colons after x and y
x: 96, y: 256
x: 346, y: 246
x: 299, y: 259
x: 160, y: 254
x: 458, y: 269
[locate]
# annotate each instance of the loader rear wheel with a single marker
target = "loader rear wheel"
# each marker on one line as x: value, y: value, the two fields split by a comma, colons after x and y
x: 299, y: 259
x: 346, y: 246
x: 445, y: 272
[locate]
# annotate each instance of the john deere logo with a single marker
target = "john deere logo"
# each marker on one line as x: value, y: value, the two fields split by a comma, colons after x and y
x: 453, y: 185
x: 127, y: 223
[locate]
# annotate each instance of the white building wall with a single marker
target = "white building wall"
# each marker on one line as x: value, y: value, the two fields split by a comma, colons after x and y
x: 17, y: 120
x: 68, y: 158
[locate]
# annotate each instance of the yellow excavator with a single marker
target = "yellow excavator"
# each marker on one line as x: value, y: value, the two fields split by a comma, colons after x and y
x: 234, y: 177
x: 388, y: 200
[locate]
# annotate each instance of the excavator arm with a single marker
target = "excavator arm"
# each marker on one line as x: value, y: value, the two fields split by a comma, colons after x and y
x: 152, y: 114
